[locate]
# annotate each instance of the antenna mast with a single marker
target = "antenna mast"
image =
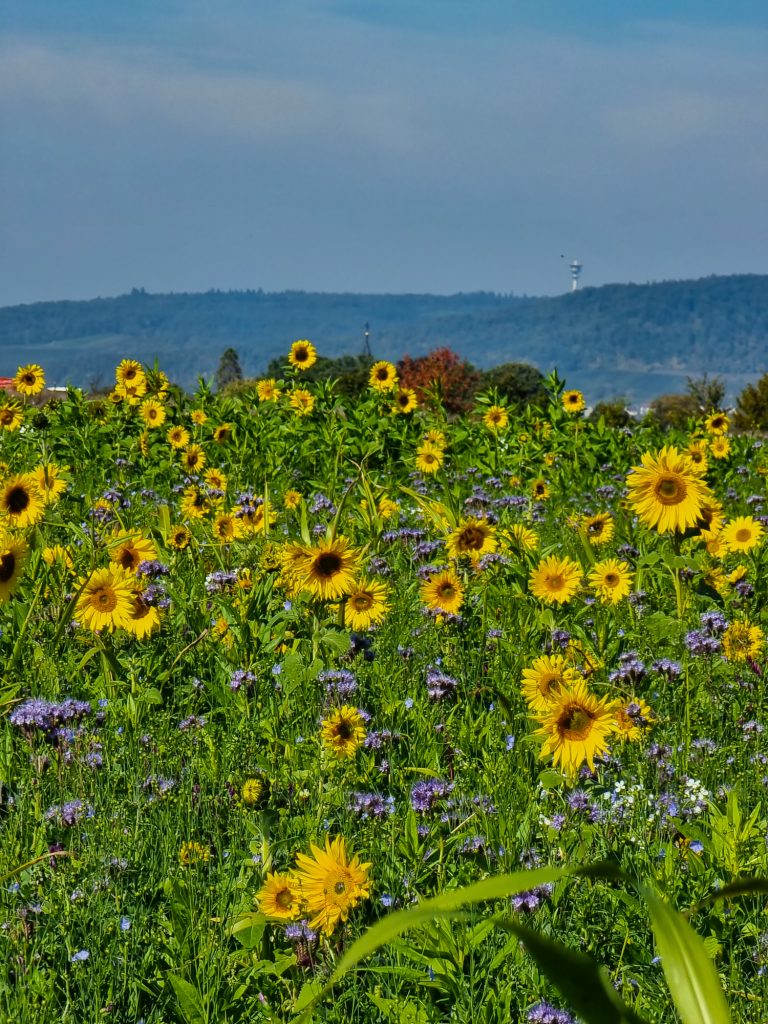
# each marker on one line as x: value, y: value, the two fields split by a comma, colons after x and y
x: 575, y: 268
x: 367, y: 341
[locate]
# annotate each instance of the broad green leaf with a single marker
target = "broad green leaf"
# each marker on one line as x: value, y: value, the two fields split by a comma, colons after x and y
x: 189, y: 999
x: 690, y: 974
x: 586, y: 986
x: 393, y: 925
x: 249, y: 928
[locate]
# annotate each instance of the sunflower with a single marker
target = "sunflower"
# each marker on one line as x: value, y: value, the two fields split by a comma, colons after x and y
x: 152, y: 412
x: 633, y: 719
x: 436, y: 438
x: 11, y: 416
x: 573, y: 401
x: 29, y: 380
x: 332, y: 883
x: 253, y: 791
x: 383, y: 376
x: 720, y: 447
x: 429, y: 458
x: 215, y: 479
x: 328, y: 570
x: 343, y: 731
x: 177, y: 437
x: 443, y: 592
x: 710, y: 520
x: 195, y: 503
x: 717, y: 423
x: 193, y: 458
x: 742, y: 640
x: 193, y: 853
x: 302, y: 401
x: 257, y: 519
x: 179, y: 537
x: 57, y: 553
x: 611, y: 579
x: 367, y: 604
x: 49, y: 482
x: 106, y: 600
x: 129, y: 371
x: 280, y: 897
x: 523, y: 537
x: 222, y: 433
x: 598, y: 528
x: 302, y: 355
x: 267, y: 390
x: 406, y: 400
x: 128, y: 550
x: 665, y: 493
x: 575, y: 727
x: 13, y: 552
x: 132, y: 393
x: 291, y: 500
x: 539, y: 490
x: 544, y: 677
x: 496, y: 418
x: 21, y: 501
x: 473, y: 538
x: 555, y: 580
x: 387, y: 508
x: 696, y: 453
x: 742, y: 534
x: 226, y: 528
x: 144, y: 618
x: 198, y: 417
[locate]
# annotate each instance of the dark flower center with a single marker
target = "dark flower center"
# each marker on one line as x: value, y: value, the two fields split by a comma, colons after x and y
x: 7, y: 566
x: 743, y: 535
x: 328, y: 565
x: 471, y: 538
x: 17, y: 500
x: 575, y: 723
x: 284, y: 899
x: 670, y: 490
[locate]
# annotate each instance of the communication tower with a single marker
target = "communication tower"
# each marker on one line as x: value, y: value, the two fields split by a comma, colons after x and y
x: 575, y: 268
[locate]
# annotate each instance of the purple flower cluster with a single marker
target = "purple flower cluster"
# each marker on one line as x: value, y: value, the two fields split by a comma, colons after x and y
x: 667, y: 668
x: 631, y: 669
x: 439, y: 685
x: 546, y: 1013
x: 46, y: 716
x: 372, y: 805
x: 339, y: 683
x: 528, y: 902
x: 152, y: 568
x: 219, y: 581
x: 427, y: 794
x: 241, y: 677
x: 69, y: 814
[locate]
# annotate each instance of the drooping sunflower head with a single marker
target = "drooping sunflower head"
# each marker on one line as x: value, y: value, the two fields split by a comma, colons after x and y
x: 302, y: 401
x: 665, y: 493
x: 226, y: 528
x: 223, y: 433
x: 302, y: 355
x: 573, y: 401
x: 132, y: 391
x: 29, y: 380
x: 383, y: 376
x: 523, y: 537
x: 21, y: 502
x: 472, y: 538
x: 343, y: 731
x: 195, y: 503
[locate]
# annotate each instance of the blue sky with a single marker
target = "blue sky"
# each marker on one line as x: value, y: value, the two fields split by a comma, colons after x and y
x: 378, y: 145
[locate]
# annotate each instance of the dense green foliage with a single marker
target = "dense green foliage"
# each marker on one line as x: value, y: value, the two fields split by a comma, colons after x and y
x: 637, y: 340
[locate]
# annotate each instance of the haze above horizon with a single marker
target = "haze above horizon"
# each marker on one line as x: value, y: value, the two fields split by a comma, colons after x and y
x: 379, y: 145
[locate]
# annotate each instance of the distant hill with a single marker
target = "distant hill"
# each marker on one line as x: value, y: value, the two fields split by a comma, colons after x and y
x: 622, y: 339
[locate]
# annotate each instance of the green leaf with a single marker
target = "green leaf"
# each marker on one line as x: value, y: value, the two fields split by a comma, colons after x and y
x: 690, y: 973
x: 249, y: 928
x: 577, y: 977
x: 189, y: 999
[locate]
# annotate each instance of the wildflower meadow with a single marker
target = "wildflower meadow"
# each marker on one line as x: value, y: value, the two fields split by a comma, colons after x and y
x: 348, y: 709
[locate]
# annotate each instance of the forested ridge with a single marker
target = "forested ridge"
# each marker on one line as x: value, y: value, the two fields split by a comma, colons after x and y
x: 635, y: 340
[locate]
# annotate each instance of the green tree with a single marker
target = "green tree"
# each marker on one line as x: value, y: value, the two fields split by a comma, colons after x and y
x: 752, y: 406
x: 520, y: 383
x: 229, y: 369
x: 614, y: 413
x: 674, y: 410
x: 708, y: 393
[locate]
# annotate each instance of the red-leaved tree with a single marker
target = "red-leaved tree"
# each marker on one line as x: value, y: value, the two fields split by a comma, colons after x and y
x: 456, y: 379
